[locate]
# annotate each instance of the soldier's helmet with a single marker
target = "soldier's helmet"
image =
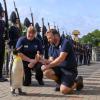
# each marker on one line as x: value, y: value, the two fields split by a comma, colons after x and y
x: 27, y: 22
x: 37, y: 27
x: 13, y: 17
x: 1, y: 9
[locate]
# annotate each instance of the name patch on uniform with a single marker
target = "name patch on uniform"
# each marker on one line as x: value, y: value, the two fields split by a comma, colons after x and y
x: 35, y: 46
x: 25, y: 46
x: 60, y: 47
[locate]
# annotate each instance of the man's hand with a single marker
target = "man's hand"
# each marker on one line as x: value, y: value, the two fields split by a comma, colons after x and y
x: 44, y: 67
x: 38, y: 57
x: 32, y: 63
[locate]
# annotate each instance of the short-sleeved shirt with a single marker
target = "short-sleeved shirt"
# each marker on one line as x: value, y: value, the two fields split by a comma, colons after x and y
x: 54, y: 51
x: 29, y: 48
x: 65, y: 46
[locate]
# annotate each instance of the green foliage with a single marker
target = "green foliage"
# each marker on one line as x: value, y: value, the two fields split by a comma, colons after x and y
x: 93, y: 38
x: 24, y: 30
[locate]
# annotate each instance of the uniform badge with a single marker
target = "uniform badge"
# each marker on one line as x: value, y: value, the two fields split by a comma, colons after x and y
x: 25, y: 46
x: 60, y: 47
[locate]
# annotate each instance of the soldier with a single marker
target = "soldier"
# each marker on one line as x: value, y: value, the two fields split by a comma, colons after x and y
x: 14, y: 31
x: 88, y: 54
x: 85, y: 54
x: 14, y: 34
x: 38, y: 30
x: 27, y: 23
x: 45, y: 40
x: 81, y: 54
x: 2, y: 42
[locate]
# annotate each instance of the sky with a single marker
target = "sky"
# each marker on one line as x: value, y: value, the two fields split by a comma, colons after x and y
x: 68, y: 15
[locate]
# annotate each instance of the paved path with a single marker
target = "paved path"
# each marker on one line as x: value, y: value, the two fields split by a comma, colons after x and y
x: 91, y: 89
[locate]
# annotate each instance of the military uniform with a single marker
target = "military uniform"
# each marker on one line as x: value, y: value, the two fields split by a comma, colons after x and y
x: 2, y: 43
x: 14, y: 32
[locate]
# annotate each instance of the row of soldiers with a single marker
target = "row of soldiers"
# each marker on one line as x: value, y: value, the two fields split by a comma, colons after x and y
x: 83, y: 52
x: 12, y: 33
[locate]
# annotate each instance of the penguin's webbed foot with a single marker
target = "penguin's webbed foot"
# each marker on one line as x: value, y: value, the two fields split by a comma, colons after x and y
x: 20, y: 92
x: 14, y: 93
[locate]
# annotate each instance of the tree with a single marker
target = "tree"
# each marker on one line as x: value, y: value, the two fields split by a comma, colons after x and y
x: 93, y: 38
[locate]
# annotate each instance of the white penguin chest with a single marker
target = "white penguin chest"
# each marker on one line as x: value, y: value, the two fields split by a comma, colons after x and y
x: 17, y: 67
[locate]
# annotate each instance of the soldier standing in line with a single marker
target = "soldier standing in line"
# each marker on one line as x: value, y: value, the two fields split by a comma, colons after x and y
x: 2, y: 42
x: 81, y: 54
x: 14, y: 31
x: 38, y: 30
x: 45, y: 40
x: 27, y: 23
x: 85, y: 54
x: 14, y: 34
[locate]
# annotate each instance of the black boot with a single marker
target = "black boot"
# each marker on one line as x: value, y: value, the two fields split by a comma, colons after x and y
x: 2, y: 79
x: 39, y: 74
x: 58, y: 83
x: 40, y: 82
x: 79, y: 81
x: 57, y: 88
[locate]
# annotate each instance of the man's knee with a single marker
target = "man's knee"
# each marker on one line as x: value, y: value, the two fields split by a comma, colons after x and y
x: 65, y: 90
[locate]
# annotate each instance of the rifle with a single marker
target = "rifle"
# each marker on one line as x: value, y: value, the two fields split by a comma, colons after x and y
x: 6, y: 21
x: 54, y: 26
x: 45, y: 41
x: 18, y: 16
x: 57, y: 28
x: 43, y: 29
x: 48, y: 25
x: 6, y: 37
x: 32, y: 17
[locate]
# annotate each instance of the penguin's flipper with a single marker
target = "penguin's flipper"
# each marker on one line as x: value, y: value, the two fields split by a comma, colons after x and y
x: 11, y: 64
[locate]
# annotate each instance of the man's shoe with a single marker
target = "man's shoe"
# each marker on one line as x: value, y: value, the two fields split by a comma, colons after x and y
x: 40, y: 82
x: 2, y: 79
x: 57, y: 88
x: 79, y: 82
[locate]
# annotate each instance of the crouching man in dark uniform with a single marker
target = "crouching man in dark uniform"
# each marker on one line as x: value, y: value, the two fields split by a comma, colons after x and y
x: 2, y: 43
x: 62, y: 66
x: 28, y: 47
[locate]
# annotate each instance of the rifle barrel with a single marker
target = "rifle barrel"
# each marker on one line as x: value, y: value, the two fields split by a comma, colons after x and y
x: 32, y: 17
x: 17, y: 15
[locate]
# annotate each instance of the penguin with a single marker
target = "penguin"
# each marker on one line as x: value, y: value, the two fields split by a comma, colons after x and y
x: 16, y: 74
